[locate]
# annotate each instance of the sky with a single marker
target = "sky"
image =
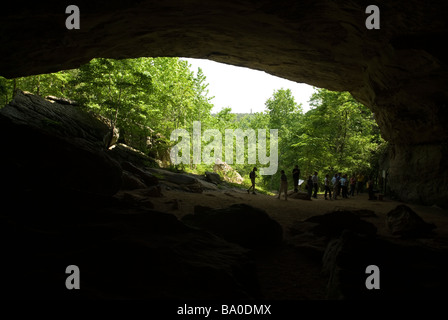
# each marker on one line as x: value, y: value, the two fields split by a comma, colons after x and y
x: 245, y: 90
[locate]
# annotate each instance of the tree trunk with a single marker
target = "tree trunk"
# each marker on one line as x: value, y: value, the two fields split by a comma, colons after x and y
x: 344, y: 139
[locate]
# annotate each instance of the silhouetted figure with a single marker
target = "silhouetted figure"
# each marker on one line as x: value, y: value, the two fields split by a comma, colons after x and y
x: 283, y: 185
x: 360, y: 180
x: 315, y: 184
x: 344, y: 186
x: 309, y: 185
x: 339, y: 177
x: 352, y: 186
x: 335, y: 181
x: 327, y: 186
x: 295, y: 177
x: 252, y: 176
x: 370, y: 190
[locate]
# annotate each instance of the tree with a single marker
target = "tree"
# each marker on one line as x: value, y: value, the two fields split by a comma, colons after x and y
x: 146, y: 98
x: 285, y: 115
x: 6, y: 87
x: 116, y: 90
x: 338, y: 134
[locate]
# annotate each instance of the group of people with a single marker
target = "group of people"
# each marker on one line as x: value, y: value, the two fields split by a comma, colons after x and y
x: 337, y: 186
x: 283, y: 181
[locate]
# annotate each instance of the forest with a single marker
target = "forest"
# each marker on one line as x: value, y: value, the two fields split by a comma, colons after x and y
x: 145, y: 99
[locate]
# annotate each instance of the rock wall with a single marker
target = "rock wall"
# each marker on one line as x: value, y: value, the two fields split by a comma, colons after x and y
x: 418, y: 173
x: 399, y: 71
x: 53, y: 147
x: 60, y: 204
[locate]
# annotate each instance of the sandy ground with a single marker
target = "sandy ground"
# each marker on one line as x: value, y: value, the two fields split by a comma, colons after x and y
x: 286, y: 212
x: 285, y: 273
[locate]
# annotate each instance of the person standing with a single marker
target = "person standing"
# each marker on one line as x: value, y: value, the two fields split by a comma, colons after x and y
x: 309, y: 186
x: 315, y: 184
x: 352, y: 186
x: 339, y: 187
x: 295, y: 178
x: 370, y: 189
x: 252, y: 176
x: 344, y: 186
x: 283, y: 185
x: 327, y: 187
x: 360, y: 180
x: 335, y: 182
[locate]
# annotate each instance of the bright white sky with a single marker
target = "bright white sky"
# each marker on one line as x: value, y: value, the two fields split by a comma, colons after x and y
x: 245, y: 90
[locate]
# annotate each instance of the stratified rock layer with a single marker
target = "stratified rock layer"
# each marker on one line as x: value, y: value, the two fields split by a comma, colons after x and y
x: 53, y: 147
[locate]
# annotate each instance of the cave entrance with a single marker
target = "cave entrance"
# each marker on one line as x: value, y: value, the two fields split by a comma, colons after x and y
x: 399, y: 72
x: 145, y: 100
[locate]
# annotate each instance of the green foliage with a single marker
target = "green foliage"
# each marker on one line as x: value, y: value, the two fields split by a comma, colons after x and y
x: 259, y: 188
x: 284, y: 114
x: 5, y: 88
x: 337, y: 135
x: 148, y: 98
x: 118, y: 90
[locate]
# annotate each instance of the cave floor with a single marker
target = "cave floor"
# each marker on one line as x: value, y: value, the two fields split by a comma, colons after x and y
x: 284, y: 272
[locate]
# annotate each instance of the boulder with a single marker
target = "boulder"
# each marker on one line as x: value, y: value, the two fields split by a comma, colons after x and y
x: 406, y: 270
x: 298, y: 195
x: 123, y: 251
x: 403, y: 221
x: 143, y: 193
x: 136, y: 200
x: 362, y: 213
x: 55, y: 146
x: 174, y: 204
x: 131, y: 182
x: 331, y: 225
x: 240, y: 223
x: 313, y: 235
x: 213, y: 177
x: 52, y: 118
x: 302, y: 227
x: 178, y: 181
x: 208, y: 186
x: 153, y: 192
x: 62, y: 100
x: 146, y: 177
x: 303, y: 238
x: 124, y: 153
x: 229, y: 174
